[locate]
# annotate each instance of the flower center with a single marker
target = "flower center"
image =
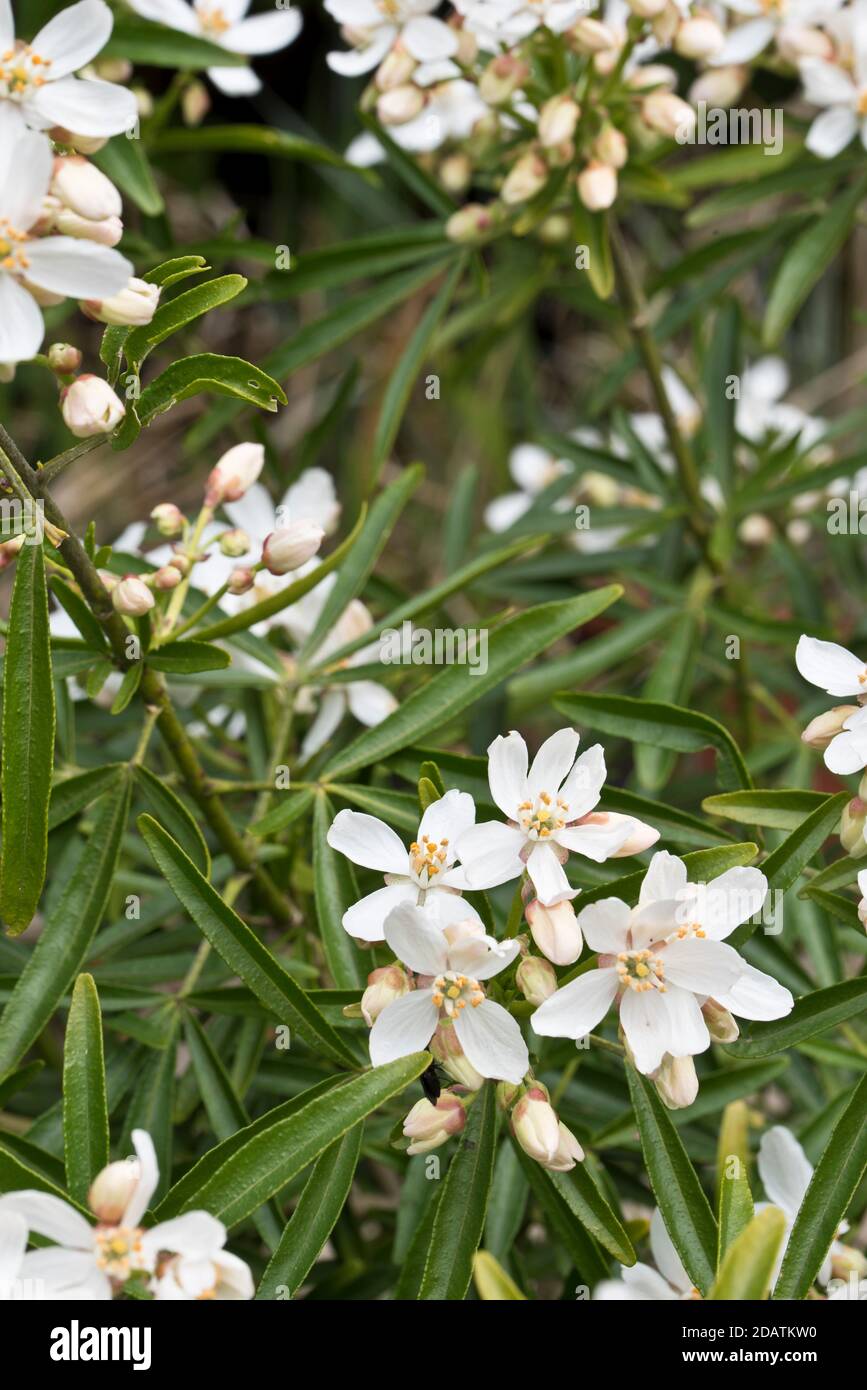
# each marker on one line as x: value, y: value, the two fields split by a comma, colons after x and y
x: 775, y: 6
x: 452, y: 993
x: 641, y: 971
x: 12, y: 256
x: 389, y: 8
x: 118, y: 1251
x: 426, y: 858
x: 540, y: 818
x: 689, y: 929
x: 211, y: 18
x: 21, y: 69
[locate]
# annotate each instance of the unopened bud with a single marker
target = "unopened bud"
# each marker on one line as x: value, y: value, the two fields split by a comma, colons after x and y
x: 699, y: 37
x: 846, y: 1260
x: 399, y: 104
x: 240, y: 581
x: 652, y: 75
x: 111, y: 1190
x: 611, y: 147
x: 168, y: 519
x: 502, y: 78
x: 195, y: 103
x: 234, y: 543
x: 132, y: 597
x: 396, y: 68
x: 89, y: 407
x: 797, y: 41
x: 720, y: 1024
x: 597, y: 186
x: 525, y: 179
x: 555, y: 931
x: 291, y: 546
x: 647, y: 9
x: 470, y: 223
x: 592, y: 36
x: 558, y: 119
x: 63, y: 358
x: 134, y: 306
x: 676, y: 1082
x: 429, y: 1125
x: 825, y: 727
x: 668, y: 115
x: 84, y: 189
x: 756, y: 529
x: 83, y: 144
x: 384, y: 985
x: 446, y: 1048
x: 167, y: 577
x: 235, y: 472
x: 536, y: 979
x: 852, y: 827
x: 107, y: 232
x: 719, y: 86
x: 535, y: 1125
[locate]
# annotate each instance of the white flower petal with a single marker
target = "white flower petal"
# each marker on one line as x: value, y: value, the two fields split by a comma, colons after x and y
x: 546, y: 872
x: 847, y: 752
x: 449, y: 908
x: 264, y: 33
x: 490, y: 854
x: 86, y: 106
x: 576, y: 1008
x: 744, y: 42
x: 596, y: 840
x: 532, y: 468
x: 370, y: 702
x: 507, y: 772
x: 784, y: 1169
x: 665, y: 878
x: 313, y: 496
x: 725, y: 902
x: 13, y: 1243
x: 369, y: 842
x: 492, y: 1041
x: 50, y: 1216
x: 353, y: 62
x: 429, y: 39
x: 830, y: 666
x: 756, y: 995
x: 448, y: 818
x: 702, y: 966
x: 687, y: 1031
x: 65, y: 1276
x: 605, y: 925
x: 767, y: 380
x: 640, y: 1283
x: 583, y: 786
x: 21, y: 326
x: 416, y: 939
x: 195, y: 1233
x: 74, y: 36
x: 235, y: 81
x: 149, y: 1176
x: 7, y: 22
x: 175, y: 14
x: 404, y: 1026
x: 667, y: 1259
x: 504, y: 511
x: 64, y: 265
x: 553, y: 763
x: 26, y: 162
x: 365, y: 920
x: 644, y: 1017
x: 825, y: 84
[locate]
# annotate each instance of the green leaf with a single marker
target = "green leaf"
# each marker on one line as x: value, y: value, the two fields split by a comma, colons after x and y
x: 515, y: 642
x: 778, y: 810
x: 666, y: 726
x: 271, y: 1158
x: 460, y: 1214
x: 174, y: 817
x: 314, y: 1218
x: 734, y: 1198
x: 492, y: 1282
x: 187, y: 657
x: 814, y: 1013
x: 832, y: 1187
x: 69, y: 928
x: 74, y: 793
x: 410, y: 362
x: 143, y: 41
x: 28, y: 743
x: 679, y: 1194
x: 748, y: 1265
x: 223, y: 376
x: 591, y: 230
x: 178, y: 312
x: 335, y: 891
x: 85, y: 1106
x: 80, y: 614
x: 128, y: 687
x: 670, y: 680
x: 252, y: 139
x: 807, y: 259
x: 242, y: 951
x: 124, y: 160
x: 556, y: 1200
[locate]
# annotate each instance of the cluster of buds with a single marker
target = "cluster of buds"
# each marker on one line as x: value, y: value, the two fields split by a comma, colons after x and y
x: 538, y: 1128
x: 81, y: 202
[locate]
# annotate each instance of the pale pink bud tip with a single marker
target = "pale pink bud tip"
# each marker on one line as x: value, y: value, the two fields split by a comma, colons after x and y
x: 555, y: 931
x: 132, y: 597
x: 168, y: 519
x: 291, y: 546
x: 597, y: 186
x: 384, y: 985
x: 235, y: 472
x: 112, y: 1188
x: 89, y: 406
x: 825, y: 727
x: 429, y: 1125
x: 63, y: 358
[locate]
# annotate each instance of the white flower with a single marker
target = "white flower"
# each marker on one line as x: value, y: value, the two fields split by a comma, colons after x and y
x: 533, y: 469
x: 663, y: 959
x: 490, y: 1037
x: 642, y: 1283
x: 37, y: 79
x: 786, y: 1172
x: 838, y: 672
x: 509, y: 21
x: 373, y: 28
x: 767, y: 21
x: 13, y: 1243
x: 368, y: 701
x: 761, y: 410
x: 182, y: 1258
x: 426, y: 874
x: 550, y: 813
x: 222, y: 22
x: 60, y: 265
x: 844, y: 95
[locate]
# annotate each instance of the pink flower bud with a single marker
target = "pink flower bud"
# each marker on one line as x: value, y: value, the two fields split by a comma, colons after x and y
x: 676, y: 1082
x: 89, y: 407
x: 825, y: 727
x: 538, y: 1130
x: 396, y: 68
x: 597, y: 186
x: 167, y: 577
x: 470, y: 223
x: 84, y: 189
x: 524, y: 180
x: 241, y: 581
x: 569, y: 1151
x: 592, y: 36
x: 719, y: 86
x: 699, y: 37
x: 235, y: 472
x: 502, y: 78
x: 536, y: 979
x: 558, y: 119
x: 555, y: 931
x: 668, y: 115
x: 446, y: 1048
x: 429, y: 1125
x: 134, y: 306
x: 384, y: 985
x: 399, y: 104
x: 132, y: 597
x: 234, y: 543
x: 168, y: 519
x: 63, y: 358
x: 455, y: 172
x: 611, y: 147
x: 195, y: 103
x: 291, y: 546
x: 112, y: 1188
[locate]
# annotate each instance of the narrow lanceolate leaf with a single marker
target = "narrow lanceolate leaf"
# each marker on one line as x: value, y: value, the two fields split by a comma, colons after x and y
x: 272, y: 1158
x: 335, y: 890
x: 814, y: 1013
x: 460, y: 1215
x: 514, y: 643
x: 314, y: 1218
x: 670, y: 679
x: 783, y: 867
x: 68, y: 931
x: 679, y: 1194
x: 807, y: 259
x: 239, y: 947
x: 834, y: 1182
x: 175, y: 817
x: 734, y: 1198
x: 178, y: 312
x: 74, y: 793
x: 85, y: 1107
x: 28, y: 743
x: 563, y: 1220
x: 665, y: 726
x: 777, y: 810
x: 748, y: 1265
x: 492, y: 1282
